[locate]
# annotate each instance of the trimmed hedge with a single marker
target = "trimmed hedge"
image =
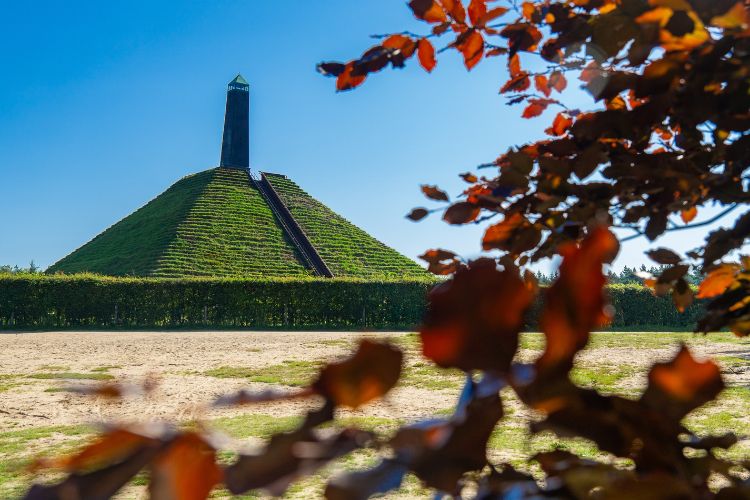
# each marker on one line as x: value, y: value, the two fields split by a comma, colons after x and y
x: 90, y: 301
x: 87, y: 301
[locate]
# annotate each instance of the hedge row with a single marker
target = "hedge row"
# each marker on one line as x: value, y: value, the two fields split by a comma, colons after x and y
x: 88, y: 301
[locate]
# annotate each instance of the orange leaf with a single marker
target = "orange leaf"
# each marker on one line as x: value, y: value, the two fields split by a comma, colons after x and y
x: 426, y: 54
x: 492, y: 15
x: 345, y: 81
x: 455, y: 8
x: 541, y: 84
x: 514, y: 65
x: 685, y: 380
x: 477, y: 9
x: 527, y: 10
x: 560, y: 125
x: 428, y: 10
x: 717, y: 281
x: 472, y: 47
x: 370, y: 373
x: 688, y: 215
x: 536, y: 107
x: 400, y: 42
x: 186, y: 470
x: 518, y: 83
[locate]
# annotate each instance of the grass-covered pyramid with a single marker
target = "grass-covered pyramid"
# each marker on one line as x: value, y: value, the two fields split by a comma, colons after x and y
x: 217, y: 223
x: 226, y: 222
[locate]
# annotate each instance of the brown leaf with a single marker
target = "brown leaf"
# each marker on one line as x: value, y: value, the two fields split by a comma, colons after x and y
x: 417, y: 214
x: 575, y: 303
x: 498, y: 234
x: 664, y: 256
x: 521, y: 37
x: 557, y: 81
x: 433, y: 193
x: 426, y: 54
x: 461, y: 213
x: 473, y: 320
x: 536, y: 107
x: 682, y: 295
x: 491, y: 15
x: 370, y: 373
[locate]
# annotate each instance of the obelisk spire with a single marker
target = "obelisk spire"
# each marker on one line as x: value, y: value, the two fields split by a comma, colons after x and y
x: 235, y: 147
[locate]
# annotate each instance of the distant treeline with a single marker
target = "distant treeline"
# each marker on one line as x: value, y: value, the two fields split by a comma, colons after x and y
x: 37, y: 301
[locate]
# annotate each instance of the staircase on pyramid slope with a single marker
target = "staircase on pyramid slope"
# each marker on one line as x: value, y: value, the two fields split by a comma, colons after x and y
x: 227, y: 222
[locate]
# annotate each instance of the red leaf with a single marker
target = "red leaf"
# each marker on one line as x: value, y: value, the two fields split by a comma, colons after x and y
x: 426, y: 54
x: 471, y: 45
x: 428, y: 10
x: 560, y: 125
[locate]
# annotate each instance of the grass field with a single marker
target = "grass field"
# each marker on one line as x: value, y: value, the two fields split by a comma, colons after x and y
x: 37, y: 417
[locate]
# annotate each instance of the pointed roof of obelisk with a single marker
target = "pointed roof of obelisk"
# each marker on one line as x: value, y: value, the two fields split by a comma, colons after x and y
x: 239, y: 80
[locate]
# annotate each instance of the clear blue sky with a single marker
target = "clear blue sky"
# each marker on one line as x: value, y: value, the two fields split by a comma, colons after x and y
x: 103, y: 105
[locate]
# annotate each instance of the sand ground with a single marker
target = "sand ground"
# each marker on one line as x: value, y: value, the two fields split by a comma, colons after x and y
x: 35, y: 367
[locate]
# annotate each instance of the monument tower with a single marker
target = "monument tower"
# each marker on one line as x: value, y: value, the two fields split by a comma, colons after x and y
x: 235, y: 146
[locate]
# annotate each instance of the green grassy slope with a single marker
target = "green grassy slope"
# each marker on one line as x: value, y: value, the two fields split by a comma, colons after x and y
x: 134, y: 245
x: 230, y: 231
x: 348, y: 250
